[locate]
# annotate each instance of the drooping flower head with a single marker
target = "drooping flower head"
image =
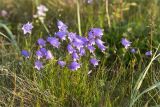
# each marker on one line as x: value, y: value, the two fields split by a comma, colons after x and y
x: 38, y: 65
x: 82, y: 52
x: 25, y: 53
x: 43, y: 50
x: 75, y: 56
x: 71, y: 36
x: 94, y: 61
x: 54, y: 41
x: 92, y: 41
x: 61, y: 35
x: 133, y: 50
x: 84, y: 40
x: 95, y: 33
x: 126, y: 43
x: 41, y: 42
x: 39, y: 54
x: 74, y: 66
x: 27, y: 28
x: 70, y: 49
x: 62, y: 26
x: 100, y: 45
x: 61, y: 63
x: 91, y: 48
x: 49, y: 55
x: 148, y: 53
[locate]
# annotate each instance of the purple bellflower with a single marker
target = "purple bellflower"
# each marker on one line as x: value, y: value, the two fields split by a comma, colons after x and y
x: 125, y: 43
x: 61, y: 35
x: 54, y: 41
x: 82, y: 52
x: 100, y: 45
x: 61, y: 63
x: 41, y: 42
x: 74, y: 66
x: 95, y: 33
x: 38, y: 65
x: 49, y: 55
x: 78, y: 43
x: 75, y: 56
x: 70, y: 49
x: 27, y: 28
x: 91, y: 48
x: 94, y: 61
x: 71, y: 36
x: 25, y: 53
x: 44, y: 51
x: 133, y: 50
x: 39, y: 54
x: 62, y: 26
x: 148, y: 53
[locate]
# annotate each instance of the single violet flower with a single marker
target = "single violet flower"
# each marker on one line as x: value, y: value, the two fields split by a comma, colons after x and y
x: 74, y: 66
x: 71, y: 36
x: 38, y: 65
x: 75, y: 56
x: 84, y: 40
x: 27, y: 28
x: 61, y: 35
x: 44, y: 51
x: 148, y: 53
x: 41, y: 42
x: 133, y: 50
x: 78, y: 43
x: 39, y: 54
x: 70, y: 49
x: 95, y: 33
x: 61, y: 63
x: 94, y: 61
x: 91, y: 48
x: 25, y: 53
x: 53, y: 41
x: 49, y: 55
x: 92, y: 42
x: 62, y: 26
x: 126, y: 43
x: 82, y: 52
x: 100, y: 45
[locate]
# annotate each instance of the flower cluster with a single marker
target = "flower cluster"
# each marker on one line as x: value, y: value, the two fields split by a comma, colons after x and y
x: 77, y: 46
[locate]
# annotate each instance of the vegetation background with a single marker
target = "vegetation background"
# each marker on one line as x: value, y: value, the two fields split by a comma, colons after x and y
x: 122, y: 79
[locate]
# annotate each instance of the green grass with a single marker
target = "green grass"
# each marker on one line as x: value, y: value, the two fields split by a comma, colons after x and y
x: 121, y: 80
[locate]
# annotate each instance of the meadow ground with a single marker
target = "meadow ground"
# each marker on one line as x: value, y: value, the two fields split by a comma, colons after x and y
x: 122, y: 78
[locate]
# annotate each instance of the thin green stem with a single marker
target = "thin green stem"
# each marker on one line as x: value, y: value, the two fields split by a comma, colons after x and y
x: 79, y: 18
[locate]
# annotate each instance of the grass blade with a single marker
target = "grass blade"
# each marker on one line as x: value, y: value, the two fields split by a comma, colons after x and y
x: 10, y: 36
